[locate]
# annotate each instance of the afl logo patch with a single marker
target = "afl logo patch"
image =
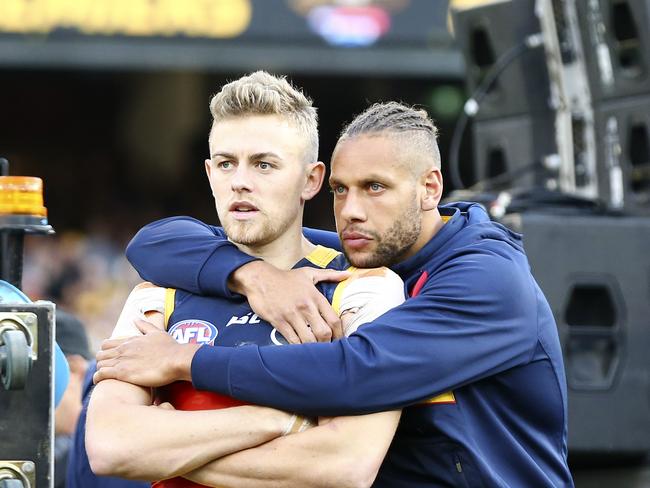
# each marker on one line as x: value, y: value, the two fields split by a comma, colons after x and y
x: 194, y: 332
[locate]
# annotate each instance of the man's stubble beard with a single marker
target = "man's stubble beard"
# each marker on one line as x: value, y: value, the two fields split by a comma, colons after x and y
x: 395, y: 243
x: 252, y: 234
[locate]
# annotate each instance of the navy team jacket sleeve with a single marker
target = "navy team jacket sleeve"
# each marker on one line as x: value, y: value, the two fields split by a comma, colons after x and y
x: 182, y: 252
x: 475, y: 317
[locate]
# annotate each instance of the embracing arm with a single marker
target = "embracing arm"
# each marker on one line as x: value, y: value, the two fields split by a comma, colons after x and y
x: 182, y: 252
x: 343, y: 452
x: 474, y: 318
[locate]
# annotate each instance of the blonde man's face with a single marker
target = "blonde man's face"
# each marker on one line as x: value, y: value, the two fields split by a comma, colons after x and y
x: 257, y: 176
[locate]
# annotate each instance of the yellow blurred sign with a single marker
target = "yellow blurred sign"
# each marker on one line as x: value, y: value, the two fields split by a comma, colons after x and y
x: 193, y: 18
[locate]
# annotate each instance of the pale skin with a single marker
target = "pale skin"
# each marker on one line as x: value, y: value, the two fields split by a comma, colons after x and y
x: 125, y: 432
x: 339, y: 452
x: 349, y: 450
x: 344, y: 452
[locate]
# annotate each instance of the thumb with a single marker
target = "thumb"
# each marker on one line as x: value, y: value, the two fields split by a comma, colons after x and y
x: 329, y: 275
x: 145, y: 327
x: 166, y: 406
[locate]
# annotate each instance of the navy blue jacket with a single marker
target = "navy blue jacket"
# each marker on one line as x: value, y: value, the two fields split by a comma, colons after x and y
x: 475, y: 357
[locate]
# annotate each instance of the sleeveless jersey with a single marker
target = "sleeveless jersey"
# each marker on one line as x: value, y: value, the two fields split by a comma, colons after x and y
x: 216, y: 321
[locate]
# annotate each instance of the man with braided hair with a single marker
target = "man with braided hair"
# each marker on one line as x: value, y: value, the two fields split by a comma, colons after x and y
x: 262, y: 168
x: 473, y: 358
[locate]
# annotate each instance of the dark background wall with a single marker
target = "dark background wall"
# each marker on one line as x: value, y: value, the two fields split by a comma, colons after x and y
x: 117, y: 149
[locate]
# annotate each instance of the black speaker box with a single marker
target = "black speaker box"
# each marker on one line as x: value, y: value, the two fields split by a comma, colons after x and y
x: 485, y: 33
x: 515, y: 144
x: 616, y: 40
x: 595, y: 273
x: 624, y: 123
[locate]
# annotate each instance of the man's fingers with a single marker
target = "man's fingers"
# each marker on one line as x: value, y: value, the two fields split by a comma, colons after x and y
x: 319, y: 327
x: 113, y: 343
x: 104, y: 374
x: 166, y: 406
x: 145, y: 327
x: 305, y: 333
x: 288, y: 333
x: 104, y: 363
x: 106, y: 354
x: 318, y: 275
x: 329, y: 316
x: 298, y: 324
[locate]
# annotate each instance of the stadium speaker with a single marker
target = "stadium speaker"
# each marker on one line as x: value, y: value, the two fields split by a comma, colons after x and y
x: 516, y: 147
x: 484, y: 34
x: 595, y: 273
x: 623, y: 152
x: 615, y: 37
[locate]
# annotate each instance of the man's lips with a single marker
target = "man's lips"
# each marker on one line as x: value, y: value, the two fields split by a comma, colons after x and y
x: 243, y: 210
x: 355, y: 240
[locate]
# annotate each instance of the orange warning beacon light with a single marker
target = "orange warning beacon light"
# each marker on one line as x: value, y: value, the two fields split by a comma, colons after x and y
x: 21, y: 212
x: 22, y: 195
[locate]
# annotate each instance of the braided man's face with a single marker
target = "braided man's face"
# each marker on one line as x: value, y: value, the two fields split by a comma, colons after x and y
x: 376, y: 201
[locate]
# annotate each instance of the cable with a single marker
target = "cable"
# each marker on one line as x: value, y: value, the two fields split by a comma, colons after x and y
x: 507, y: 177
x: 473, y: 104
x: 540, y: 199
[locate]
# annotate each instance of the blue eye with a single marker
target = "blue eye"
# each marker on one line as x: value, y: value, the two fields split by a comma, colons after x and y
x: 225, y: 165
x: 264, y: 165
x: 375, y: 187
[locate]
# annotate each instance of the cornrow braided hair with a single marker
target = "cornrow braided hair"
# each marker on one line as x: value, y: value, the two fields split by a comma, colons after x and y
x: 391, y: 117
x: 399, y: 119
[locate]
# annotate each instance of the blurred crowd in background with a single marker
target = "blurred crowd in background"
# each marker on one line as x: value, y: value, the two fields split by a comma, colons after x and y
x: 83, y: 273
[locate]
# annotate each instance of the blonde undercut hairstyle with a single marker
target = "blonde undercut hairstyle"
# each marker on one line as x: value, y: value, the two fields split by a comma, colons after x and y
x: 393, y: 118
x: 261, y: 93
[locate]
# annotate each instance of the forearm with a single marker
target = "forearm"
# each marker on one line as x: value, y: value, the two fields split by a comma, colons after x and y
x: 348, y: 381
x: 146, y: 442
x: 345, y: 452
x: 424, y: 348
x: 203, y: 258
x: 182, y: 252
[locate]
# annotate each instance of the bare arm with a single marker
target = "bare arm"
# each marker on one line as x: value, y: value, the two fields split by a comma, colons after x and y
x: 340, y: 452
x: 344, y: 452
x: 127, y: 436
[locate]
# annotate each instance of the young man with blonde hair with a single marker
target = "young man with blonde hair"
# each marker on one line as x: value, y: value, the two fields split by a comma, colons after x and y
x: 262, y: 169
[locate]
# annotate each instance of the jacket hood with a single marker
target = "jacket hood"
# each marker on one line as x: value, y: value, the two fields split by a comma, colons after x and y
x: 474, y: 222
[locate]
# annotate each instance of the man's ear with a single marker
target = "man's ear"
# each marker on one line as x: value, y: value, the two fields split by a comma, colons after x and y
x: 432, y: 189
x: 314, y: 182
x: 208, y: 171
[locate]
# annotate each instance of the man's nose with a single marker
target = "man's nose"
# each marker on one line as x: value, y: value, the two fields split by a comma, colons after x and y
x: 352, y: 208
x: 241, y: 179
